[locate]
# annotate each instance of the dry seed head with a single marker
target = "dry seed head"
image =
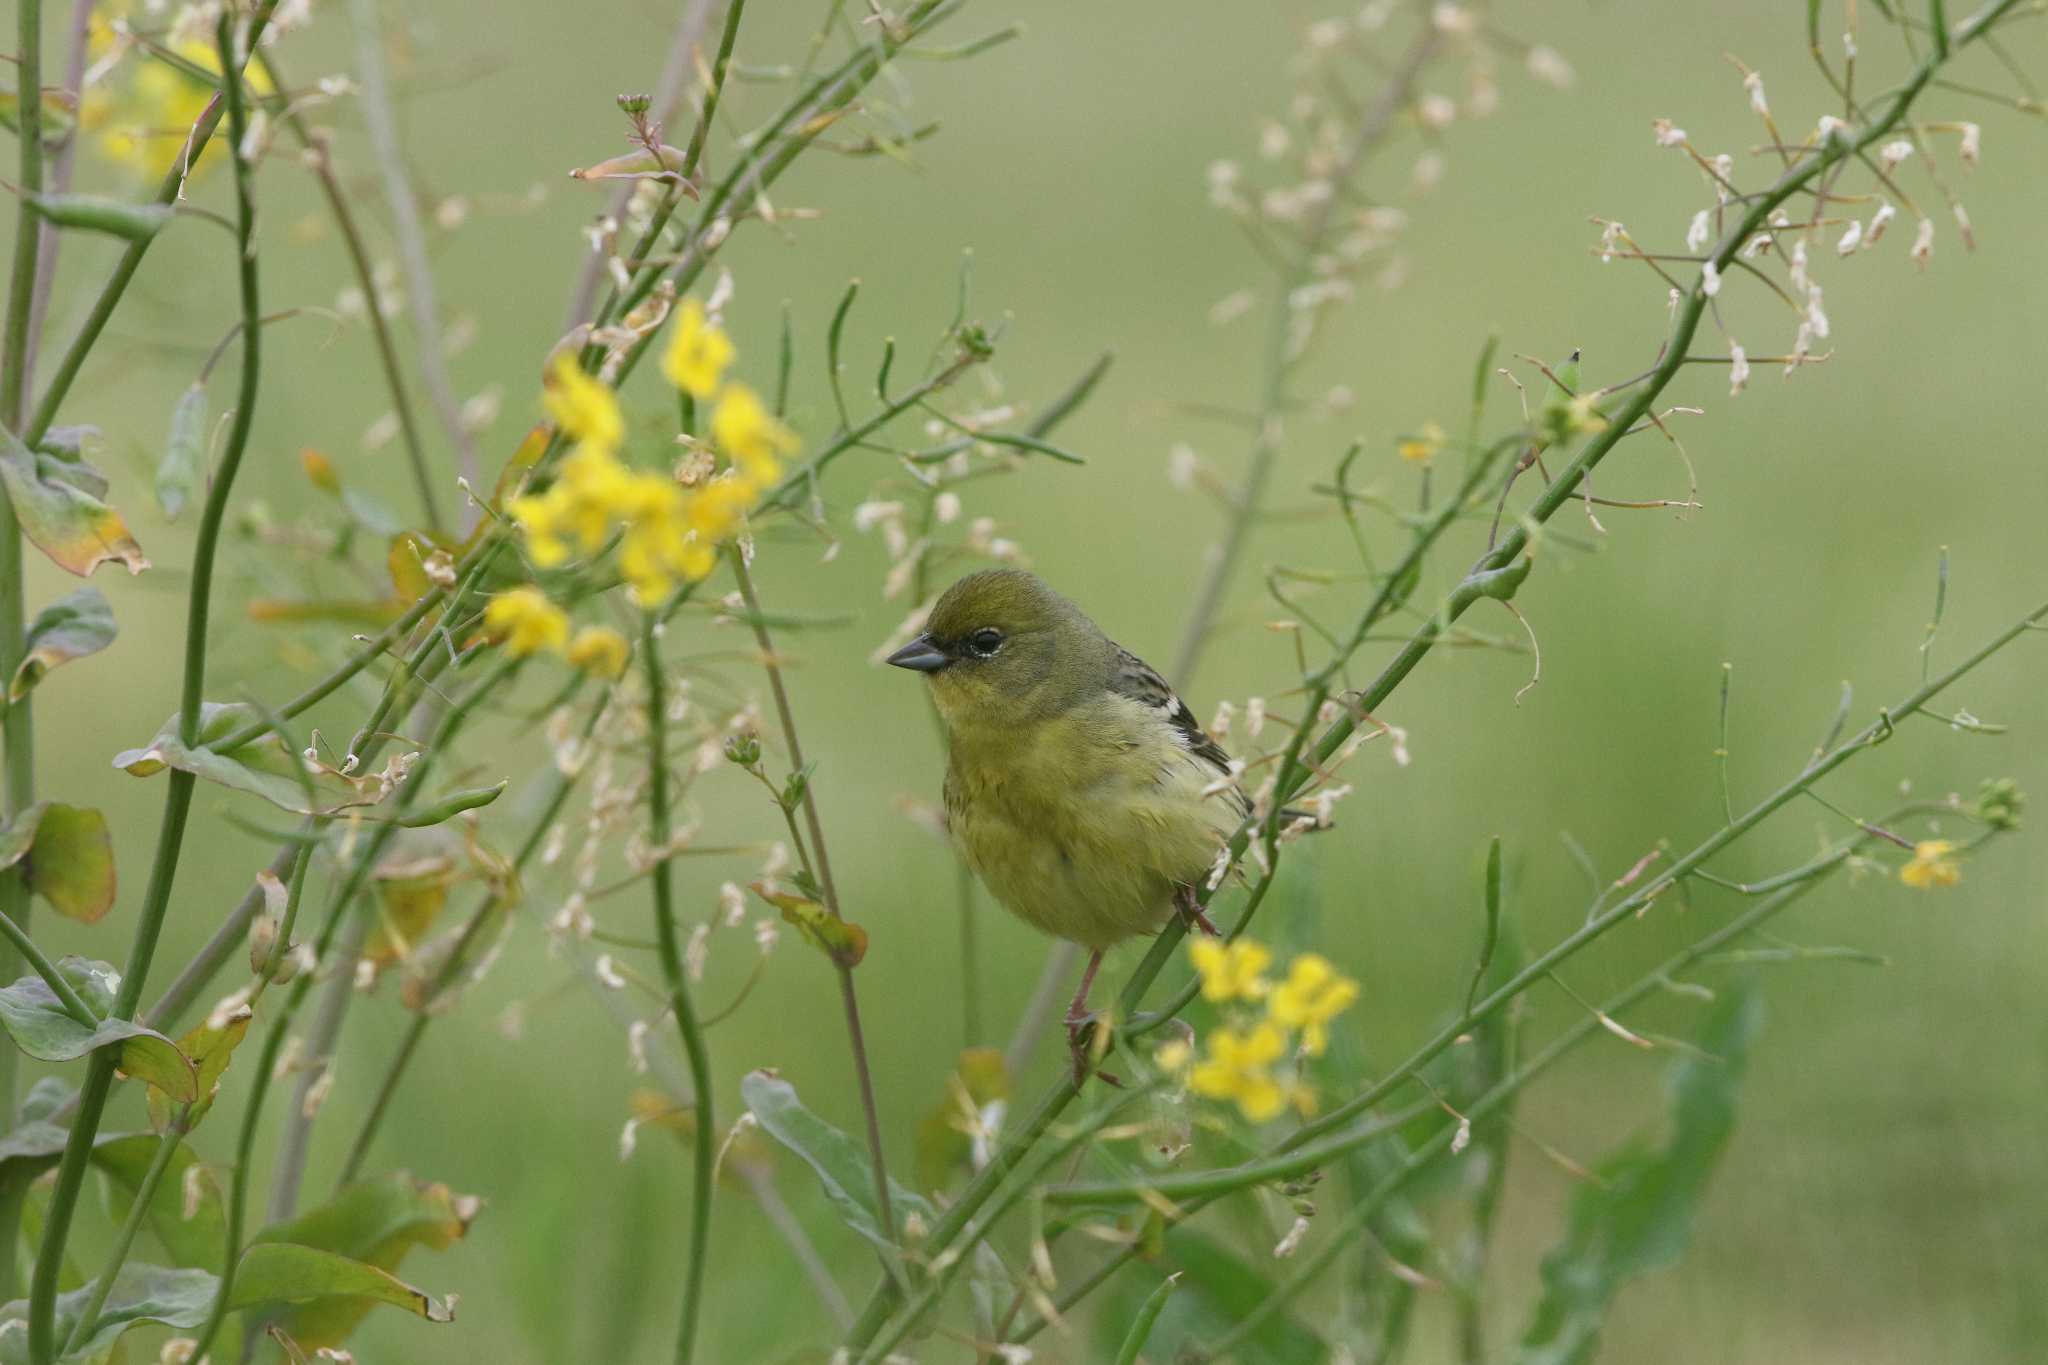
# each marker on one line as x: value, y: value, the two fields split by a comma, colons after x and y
x: 1923, y: 243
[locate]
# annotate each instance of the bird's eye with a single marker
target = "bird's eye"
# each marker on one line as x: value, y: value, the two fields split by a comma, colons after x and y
x: 985, y: 642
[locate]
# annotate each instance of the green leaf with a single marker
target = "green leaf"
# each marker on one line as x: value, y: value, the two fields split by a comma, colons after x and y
x: 1636, y: 1214
x: 209, y: 1046
x: 194, y: 1241
x: 70, y: 525
x: 71, y: 627
x: 177, y: 474
x: 30, y: 1013
x: 841, y: 1164
x: 1141, y: 1325
x: 67, y: 857
x: 1217, y: 1289
x: 331, y: 1292
x: 370, y: 1226
x: 96, y: 213
x: 140, y: 1294
x: 262, y: 767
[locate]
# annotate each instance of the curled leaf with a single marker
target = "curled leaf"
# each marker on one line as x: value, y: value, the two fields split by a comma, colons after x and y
x: 40, y: 1026
x: 71, y: 627
x: 845, y: 942
x: 637, y: 165
x: 66, y: 522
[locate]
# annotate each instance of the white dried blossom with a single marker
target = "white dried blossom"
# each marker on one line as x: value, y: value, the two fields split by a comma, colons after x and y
x: 1963, y: 225
x: 1291, y: 1243
x: 1972, y: 145
x: 636, y: 1045
x: 1831, y: 129
x: 192, y: 1191
x: 1373, y: 17
x: 697, y: 951
x: 177, y: 1351
x: 482, y: 409
x: 1754, y: 84
x: 1219, y: 724
x: 1548, y: 65
x: 1851, y: 239
x: 946, y: 508
x: 381, y: 432
x: 1611, y: 235
x: 607, y: 973
x: 1453, y: 19
x: 1710, y: 280
x: 1923, y: 243
x: 629, y: 1138
x: 1254, y: 716
x: 1427, y: 173
x: 1182, y: 467
x: 1802, y: 342
x: 1798, y: 263
x: 1274, y: 142
x: 1325, y: 34
x: 318, y: 1091
x: 1231, y: 307
x: 1672, y: 298
x: 1436, y: 111
x: 1223, y: 178
x: 1879, y: 221
x: 1815, y: 314
x: 767, y: 933
x: 1700, y: 231
x: 1738, y: 368
x: 1668, y: 134
x: 366, y: 974
x: 1894, y: 152
x: 732, y: 904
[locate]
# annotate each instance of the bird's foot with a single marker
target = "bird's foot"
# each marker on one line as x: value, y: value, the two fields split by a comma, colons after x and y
x: 1085, y: 1050
x: 1191, y: 910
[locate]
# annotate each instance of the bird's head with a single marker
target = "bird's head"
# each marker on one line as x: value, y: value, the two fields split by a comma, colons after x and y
x: 1002, y: 644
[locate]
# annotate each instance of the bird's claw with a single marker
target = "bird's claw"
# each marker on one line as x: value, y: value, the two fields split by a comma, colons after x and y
x: 1081, y: 1047
x: 1191, y: 910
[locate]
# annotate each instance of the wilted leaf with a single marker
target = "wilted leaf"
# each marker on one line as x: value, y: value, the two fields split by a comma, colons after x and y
x: 333, y: 1292
x: 177, y: 474
x: 32, y: 1016
x: 370, y: 1226
x: 262, y: 767
x: 841, y: 1164
x: 945, y: 1142
x: 1635, y: 1215
x: 70, y: 525
x: 845, y: 942
x: 71, y: 627
x: 209, y: 1047
x: 636, y: 164
x: 67, y: 857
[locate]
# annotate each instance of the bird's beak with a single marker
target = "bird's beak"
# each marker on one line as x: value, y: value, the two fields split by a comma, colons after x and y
x: 922, y: 655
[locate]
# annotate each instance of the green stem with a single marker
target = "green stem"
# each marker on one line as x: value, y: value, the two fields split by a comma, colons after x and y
x: 178, y: 797
x: 145, y: 1194
x: 849, y: 999
x: 387, y: 349
x: 17, y: 727
x: 74, y: 1005
x: 705, y: 1137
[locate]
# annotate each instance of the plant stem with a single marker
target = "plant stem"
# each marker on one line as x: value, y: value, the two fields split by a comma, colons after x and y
x: 786, y: 716
x: 145, y: 1193
x: 17, y: 725
x: 705, y: 1137
x: 58, y: 181
x: 178, y: 796
x: 1373, y: 126
x: 320, y: 159
x: 74, y: 1005
x: 410, y: 236
x: 178, y: 997
x: 295, y: 1142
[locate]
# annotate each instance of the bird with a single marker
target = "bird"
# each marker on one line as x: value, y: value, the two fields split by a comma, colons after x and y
x: 1079, y: 788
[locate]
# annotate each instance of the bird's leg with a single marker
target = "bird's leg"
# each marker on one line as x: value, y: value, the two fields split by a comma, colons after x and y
x: 1191, y: 909
x: 1081, y: 1021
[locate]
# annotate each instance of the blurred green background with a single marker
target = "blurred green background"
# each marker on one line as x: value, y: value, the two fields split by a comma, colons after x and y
x: 1882, y: 1199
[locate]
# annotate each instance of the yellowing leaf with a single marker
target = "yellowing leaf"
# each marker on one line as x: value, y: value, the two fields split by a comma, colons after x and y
x: 67, y: 857
x: 70, y: 525
x: 845, y: 942
x: 261, y: 767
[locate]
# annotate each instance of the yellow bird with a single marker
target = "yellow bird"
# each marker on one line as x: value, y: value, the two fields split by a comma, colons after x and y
x: 1079, y: 788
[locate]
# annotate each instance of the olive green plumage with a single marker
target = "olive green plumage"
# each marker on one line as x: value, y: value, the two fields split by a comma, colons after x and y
x: 1078, y: 786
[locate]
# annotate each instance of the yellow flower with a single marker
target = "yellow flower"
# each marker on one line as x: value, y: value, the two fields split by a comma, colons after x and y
x: 698, y: 353
x: 1933, y: 864
x: 584, y: 407
x: 147, y: 123
x: 750, y: 435
x: 526, y: 621
x: 1230, y: 971
x: 1239, y: 1068
x: 1312, y: 995
x: 599, y: 651
x: 1420, y: 448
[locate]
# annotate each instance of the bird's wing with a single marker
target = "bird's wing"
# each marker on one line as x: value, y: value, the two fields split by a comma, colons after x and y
x: 1138, y: 680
